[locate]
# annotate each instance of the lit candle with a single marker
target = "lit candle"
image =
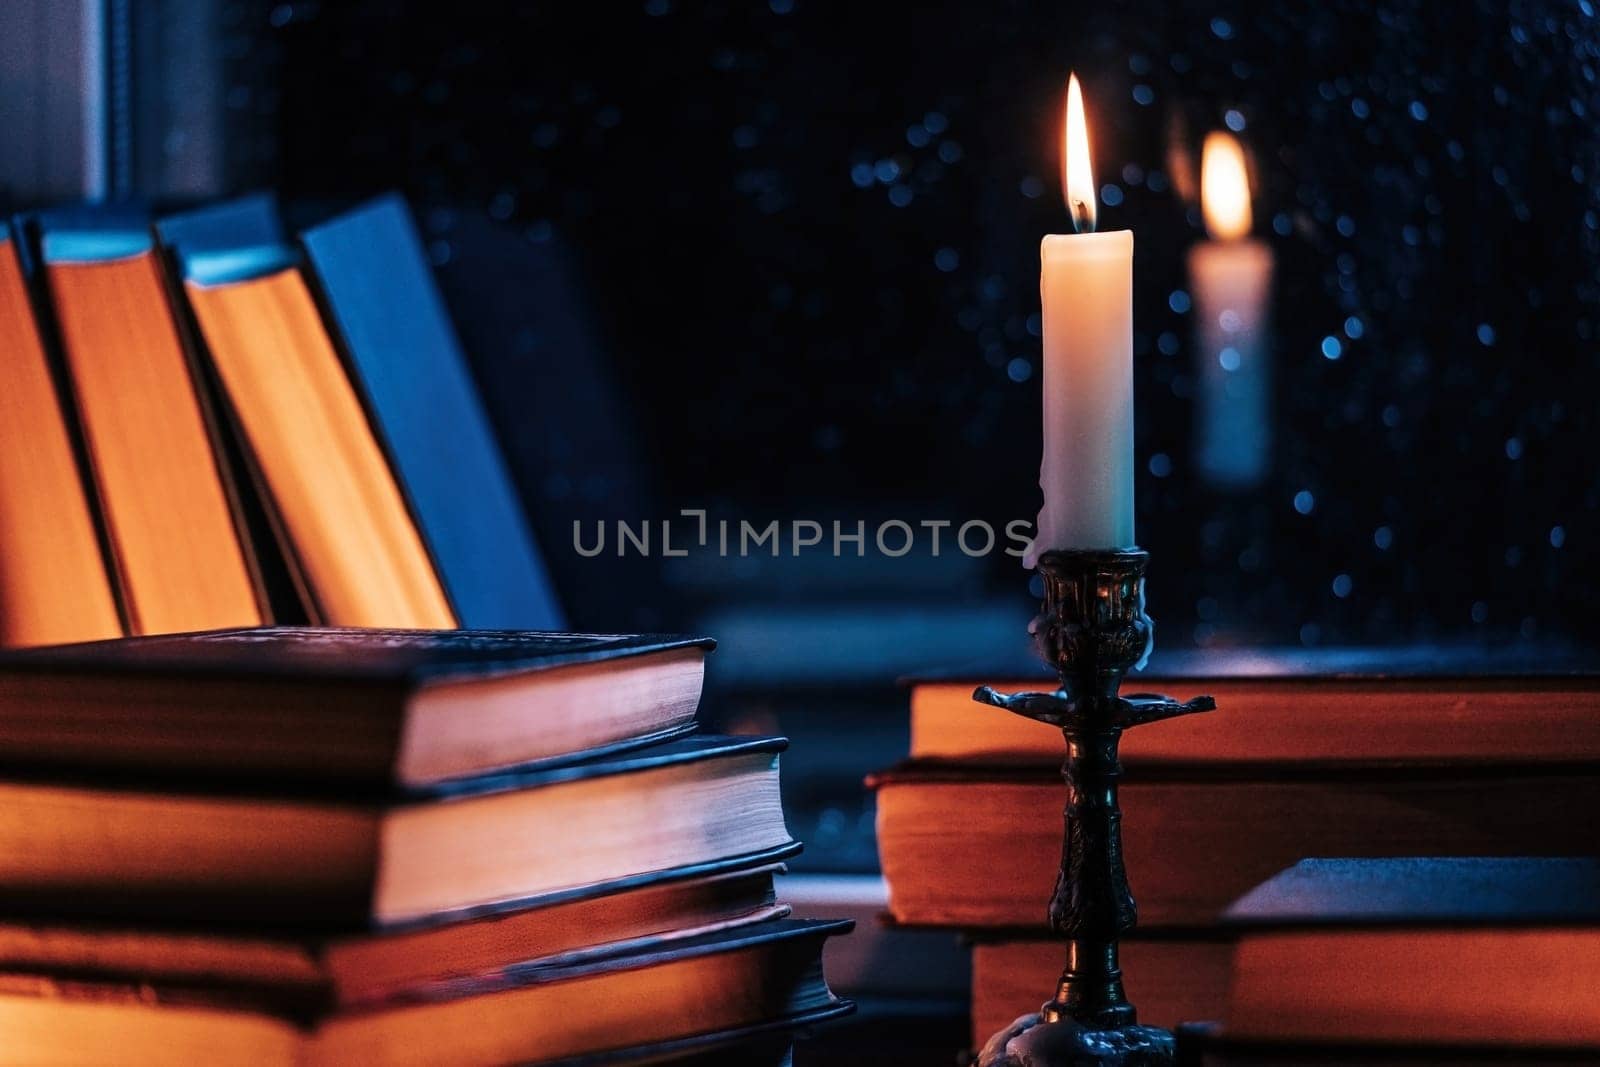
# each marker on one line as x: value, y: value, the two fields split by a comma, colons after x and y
x: 1231, y: 276
x: 1086, y: 292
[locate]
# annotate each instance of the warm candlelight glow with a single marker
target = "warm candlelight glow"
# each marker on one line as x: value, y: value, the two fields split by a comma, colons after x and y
x: 1224, y: 187
x: 1077, y: 175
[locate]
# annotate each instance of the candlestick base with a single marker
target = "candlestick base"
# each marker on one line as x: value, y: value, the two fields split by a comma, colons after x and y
x: 1092, y: 630
x: 1033, y: 1041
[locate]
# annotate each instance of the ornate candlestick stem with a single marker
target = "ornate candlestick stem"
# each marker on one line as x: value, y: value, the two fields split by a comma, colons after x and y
x: 1092, y: 630
x: 1091, y: 906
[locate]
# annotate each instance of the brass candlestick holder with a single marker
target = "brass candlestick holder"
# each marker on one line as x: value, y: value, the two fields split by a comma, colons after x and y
x: 1091, y: 630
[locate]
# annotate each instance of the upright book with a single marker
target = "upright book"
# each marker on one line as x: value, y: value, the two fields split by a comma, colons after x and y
x: 247, y: 226
x: 347, y: 526
x: 54, y: 585
x: 178, y: 551
x: 385, y: 313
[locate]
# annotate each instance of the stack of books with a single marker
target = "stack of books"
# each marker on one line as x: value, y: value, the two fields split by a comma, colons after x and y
x: 211, y: 423
x: 1293, y: 764
x: 321, y: 846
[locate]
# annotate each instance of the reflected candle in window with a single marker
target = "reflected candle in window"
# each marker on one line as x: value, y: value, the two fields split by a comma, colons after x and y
x: 1086, y: 293
x: 1231, y: 277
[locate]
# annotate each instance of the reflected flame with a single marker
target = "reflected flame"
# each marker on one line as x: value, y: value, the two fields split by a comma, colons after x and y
x: 1077, y: 175
x: 1224, y: 187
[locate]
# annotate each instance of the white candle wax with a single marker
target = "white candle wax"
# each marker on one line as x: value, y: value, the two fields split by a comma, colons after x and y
x: 1232, y: 282
x: 1086, y: 292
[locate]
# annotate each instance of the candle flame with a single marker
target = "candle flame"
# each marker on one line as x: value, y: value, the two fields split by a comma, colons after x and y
x: 1077, y: 175
x: 1224, y: 187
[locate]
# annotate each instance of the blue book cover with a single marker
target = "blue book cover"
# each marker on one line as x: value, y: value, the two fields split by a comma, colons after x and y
x: 385, y: 312
x: 243, y: 222
x: 1425, y: 890
x: 228, y: 241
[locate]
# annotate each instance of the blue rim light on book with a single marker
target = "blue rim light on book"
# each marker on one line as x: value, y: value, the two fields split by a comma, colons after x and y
x: 236, y: 264
x: 94, y: 246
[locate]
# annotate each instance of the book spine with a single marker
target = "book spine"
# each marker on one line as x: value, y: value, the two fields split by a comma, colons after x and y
x: 336, y: 337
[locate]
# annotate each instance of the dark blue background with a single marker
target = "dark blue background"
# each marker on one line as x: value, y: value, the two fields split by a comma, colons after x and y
x: 806, y: 238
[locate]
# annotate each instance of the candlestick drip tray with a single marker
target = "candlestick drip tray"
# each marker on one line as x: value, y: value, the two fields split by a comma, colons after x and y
x: 1061, y: 710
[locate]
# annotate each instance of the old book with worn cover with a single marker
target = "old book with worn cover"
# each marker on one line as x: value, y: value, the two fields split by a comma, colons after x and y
x: 1278, y: 708
x: 759, y: 976
x: 54, y: 583
x: 407, y: 708
x: 979, y: 846
x: 1421, y: 951
x: 661, y: 1004
x: 483, y: 844
x: 386, y: 315
x: 307, y: 972
x: 168, y: 504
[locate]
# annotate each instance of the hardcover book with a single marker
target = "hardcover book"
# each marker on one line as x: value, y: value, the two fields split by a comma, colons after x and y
x: 482, y: 845
x: 247, y: 229
x: 1269, y: 712
x: 408, y: 708
x: 741, y: 987
x: 312, y: 972
x: 54, y: 584
x: 345, y: 521
x: 1194, y: 838
x: 385, y: 312
x: 168, y: 505
x: 1429, y: 951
